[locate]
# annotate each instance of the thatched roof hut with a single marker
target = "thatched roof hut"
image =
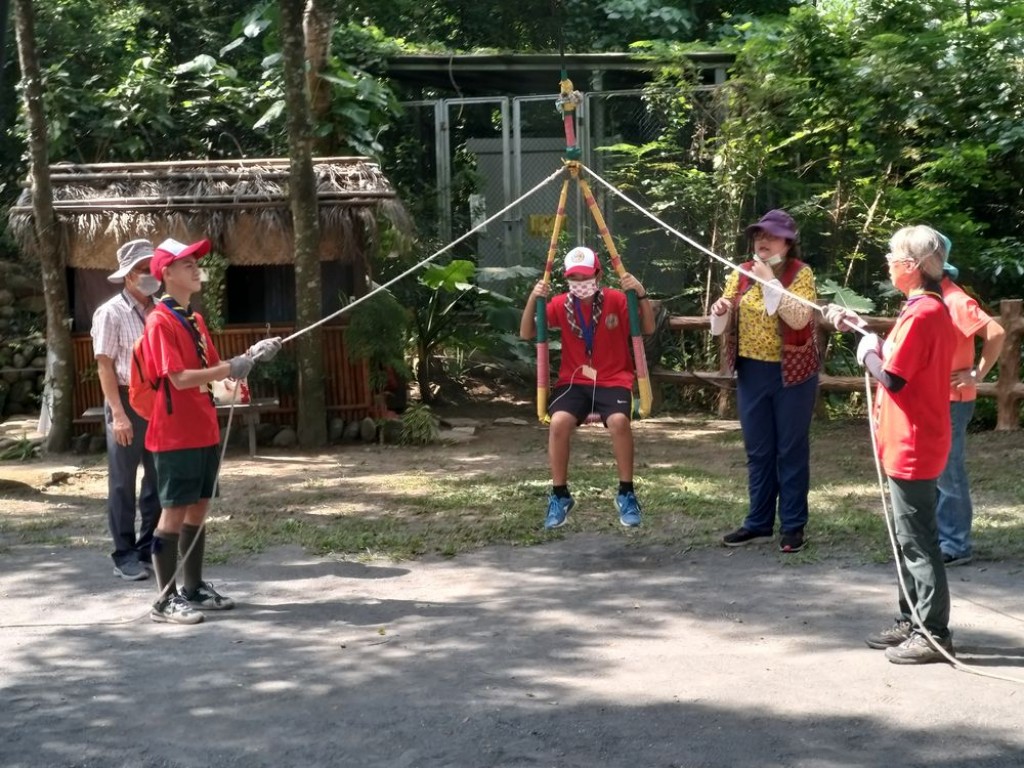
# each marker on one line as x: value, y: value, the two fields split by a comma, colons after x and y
x: 241, y: 205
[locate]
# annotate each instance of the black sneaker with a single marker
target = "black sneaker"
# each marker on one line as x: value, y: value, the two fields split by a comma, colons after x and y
x: 206, y: 598
x: 918, y: 649
x: 741, y: 537
x: 890, y: 637
x: 791, y: 542
x: 951, y: 561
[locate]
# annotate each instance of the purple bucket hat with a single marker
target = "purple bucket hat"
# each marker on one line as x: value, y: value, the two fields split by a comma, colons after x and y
x: 777, y: 223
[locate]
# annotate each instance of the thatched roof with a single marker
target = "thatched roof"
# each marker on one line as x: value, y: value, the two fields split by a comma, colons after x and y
x: 242, y: 206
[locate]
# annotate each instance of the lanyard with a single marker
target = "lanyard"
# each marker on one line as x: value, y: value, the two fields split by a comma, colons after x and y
x: 588, y: 329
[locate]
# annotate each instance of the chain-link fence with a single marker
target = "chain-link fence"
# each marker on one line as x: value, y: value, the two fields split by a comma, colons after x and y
x: 462, y: 160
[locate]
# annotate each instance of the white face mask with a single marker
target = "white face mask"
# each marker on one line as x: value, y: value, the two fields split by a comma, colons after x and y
x: 583, y: 289
x: 147, y: 285
x: 774, y: 261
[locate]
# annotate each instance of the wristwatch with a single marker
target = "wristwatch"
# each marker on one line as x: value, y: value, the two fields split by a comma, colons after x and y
x: 974, y: 373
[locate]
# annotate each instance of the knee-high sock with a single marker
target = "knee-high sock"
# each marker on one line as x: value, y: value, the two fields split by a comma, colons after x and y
x: 192, y: 562
x: 165, y: 560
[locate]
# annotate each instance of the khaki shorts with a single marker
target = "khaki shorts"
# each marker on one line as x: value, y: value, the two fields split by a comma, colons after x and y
x: 184, y: 477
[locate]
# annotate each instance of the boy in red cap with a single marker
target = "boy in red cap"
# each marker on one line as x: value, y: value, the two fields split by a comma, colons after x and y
x: 183, y: 431
x: 595, y: 375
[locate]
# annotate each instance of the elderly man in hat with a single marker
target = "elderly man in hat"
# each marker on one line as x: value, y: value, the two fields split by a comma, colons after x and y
x: 116, y: 325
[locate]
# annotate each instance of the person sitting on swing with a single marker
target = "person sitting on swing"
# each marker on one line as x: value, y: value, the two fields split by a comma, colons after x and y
x: 595, y: 375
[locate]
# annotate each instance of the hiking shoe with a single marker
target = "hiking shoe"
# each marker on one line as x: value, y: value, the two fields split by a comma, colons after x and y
x: 629, y: 509
x: 791, y: 542
x: 206, y: 598
x: 130, y: 570
x: 918, y: 649
x: 890, y: 637
x: 951, y: 561
x: 175, y: 610
x: 558, y: 510
x: 741, y: 537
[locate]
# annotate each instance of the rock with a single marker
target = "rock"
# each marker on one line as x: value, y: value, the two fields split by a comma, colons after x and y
x: 97, y: 444
x: 391, y: 431
x: 336, y: 430
x: 58, y: 477
x: 286, y: 438
x: 458, y: 421
x: 368, y: 429
x: 6, y: 296
x: 80, y: 444
x: 351, y: 431
x: 512, y: 421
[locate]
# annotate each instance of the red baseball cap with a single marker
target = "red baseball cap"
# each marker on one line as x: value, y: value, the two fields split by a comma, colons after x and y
x: 170, y: 250
x: 582, y: 261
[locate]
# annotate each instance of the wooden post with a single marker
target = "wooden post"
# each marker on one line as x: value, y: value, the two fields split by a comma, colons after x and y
x: 1007, y: 418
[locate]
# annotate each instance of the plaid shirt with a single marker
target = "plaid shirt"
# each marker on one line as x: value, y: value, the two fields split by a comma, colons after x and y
x: 116, y: 324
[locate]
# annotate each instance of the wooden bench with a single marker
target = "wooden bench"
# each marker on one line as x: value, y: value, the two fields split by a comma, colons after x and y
x: 249, y: 413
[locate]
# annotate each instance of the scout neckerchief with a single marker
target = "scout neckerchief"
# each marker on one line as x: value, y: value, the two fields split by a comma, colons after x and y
x: 187, y: 317
x: 582, y: 330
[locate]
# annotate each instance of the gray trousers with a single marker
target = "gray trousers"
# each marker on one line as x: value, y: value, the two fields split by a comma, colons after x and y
x: 913, y: 509
x: 122, y: 470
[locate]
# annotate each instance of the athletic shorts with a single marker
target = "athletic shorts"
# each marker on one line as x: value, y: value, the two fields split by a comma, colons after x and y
x: 185, y: 476
x: 581, y: 400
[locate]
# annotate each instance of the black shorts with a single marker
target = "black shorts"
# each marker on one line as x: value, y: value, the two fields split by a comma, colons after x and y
x: 581, y: 400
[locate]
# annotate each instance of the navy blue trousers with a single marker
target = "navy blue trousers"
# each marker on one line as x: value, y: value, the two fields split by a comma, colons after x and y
x: 776, y: 422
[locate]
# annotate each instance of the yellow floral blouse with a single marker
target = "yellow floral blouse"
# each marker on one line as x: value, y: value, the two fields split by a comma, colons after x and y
x: 758, y: 331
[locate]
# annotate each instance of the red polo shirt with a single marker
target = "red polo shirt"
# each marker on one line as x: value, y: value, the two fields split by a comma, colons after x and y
x: 192, y: 422
x: 912, y: 425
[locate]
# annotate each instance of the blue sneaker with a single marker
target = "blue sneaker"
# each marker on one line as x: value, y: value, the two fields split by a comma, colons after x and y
x: 629, y: 509
x: 558, y: 510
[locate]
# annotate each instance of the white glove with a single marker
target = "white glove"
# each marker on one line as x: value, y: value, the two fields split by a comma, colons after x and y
x: 264, y: 350
x: 843, y: 319
x: 239, y: 366
x: 870, y: 343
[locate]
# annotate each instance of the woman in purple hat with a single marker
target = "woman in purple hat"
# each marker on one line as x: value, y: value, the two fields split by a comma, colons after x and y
x: 772, y: 348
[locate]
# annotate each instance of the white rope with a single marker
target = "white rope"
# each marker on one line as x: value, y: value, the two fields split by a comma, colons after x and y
x: 429, y: 259
x: 699, y: 247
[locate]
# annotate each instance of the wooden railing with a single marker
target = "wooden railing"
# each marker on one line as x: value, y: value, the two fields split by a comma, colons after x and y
x: 347, y: 383
x: 1007, y: 389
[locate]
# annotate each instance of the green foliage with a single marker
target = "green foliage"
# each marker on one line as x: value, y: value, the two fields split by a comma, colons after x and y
x: 377, y: 332
x: 22, y: 449
x: 859, y: 118
x: 215, y: 269
x: 419, y: 425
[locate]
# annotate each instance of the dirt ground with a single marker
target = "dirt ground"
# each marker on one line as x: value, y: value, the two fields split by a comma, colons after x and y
x: 590, y: 650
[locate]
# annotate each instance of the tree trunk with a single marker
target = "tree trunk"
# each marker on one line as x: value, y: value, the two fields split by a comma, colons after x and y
x: 60, y: 358
x: 312, y: 415
x: 318, y: 24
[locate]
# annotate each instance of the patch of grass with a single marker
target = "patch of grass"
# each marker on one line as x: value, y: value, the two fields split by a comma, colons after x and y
x: 402, y: 503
